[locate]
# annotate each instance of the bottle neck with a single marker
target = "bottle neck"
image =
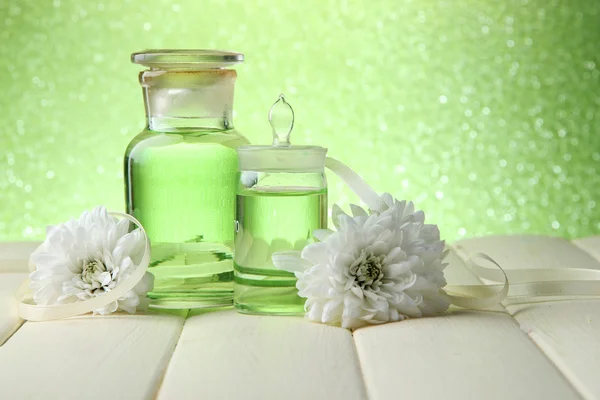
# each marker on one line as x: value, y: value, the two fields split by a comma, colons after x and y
x: 188, y: 100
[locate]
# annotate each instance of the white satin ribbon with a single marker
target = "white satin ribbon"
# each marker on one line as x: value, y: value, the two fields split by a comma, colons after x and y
x: 531, y: 285
x: 478, y: 296
x: 356, y: 183
x: 516, y: 286
x: 30, y: 311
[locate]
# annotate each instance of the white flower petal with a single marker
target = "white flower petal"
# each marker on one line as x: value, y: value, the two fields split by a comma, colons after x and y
x: 46, y: 295
x: 418, y: 216
x: 122, y: 228
x: 128, y: 309
x: 433, y: 304
x: 332, y: 311
x: 315, y: 282
x: 316, y: 253
x: 44, y: 260
x: 341, y: 261
x: 395, y: 315
x: 410, y: 208
x: 336, y: 212
x: 393, y: 270
x: 315, y: 311
x: 358, y: 211
x: 322, y: 234
x: 408, y: 307
x: 144, y: 303
x: 370, y: 295
x: 145, y: 285
x: 430, y: 232
x: 290, y: 261
x: 131, y: 245
x: 104, y: 278
x: 388, y: 202
x: 380, y: 248
x: 346, y: 222
x: 357, y: 292
x: 385, y: 237
x: 107, y: 309
x: 395, y: 255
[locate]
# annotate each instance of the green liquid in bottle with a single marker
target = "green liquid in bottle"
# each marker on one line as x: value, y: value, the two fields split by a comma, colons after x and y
x: 267, y: 222
x: 181, y: 187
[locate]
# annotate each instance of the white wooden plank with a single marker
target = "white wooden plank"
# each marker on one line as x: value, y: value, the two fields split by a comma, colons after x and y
x: 225, y: 355
x: 569, y: 334
x: 9, y: 320
x: 567, y: 331
x: 14, y: 256
x: 115, y: 357
x: 590, y: 245
x: 466, y: 355
x: 518, y: 252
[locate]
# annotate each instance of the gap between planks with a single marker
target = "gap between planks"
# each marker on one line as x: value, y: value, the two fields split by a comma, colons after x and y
x: 462, y: 354
x: 184, y: 314
x: 222, y: 355
x: 527, y: 251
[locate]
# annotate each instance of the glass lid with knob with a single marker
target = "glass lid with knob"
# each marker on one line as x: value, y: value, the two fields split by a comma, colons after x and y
x: 281, y: 156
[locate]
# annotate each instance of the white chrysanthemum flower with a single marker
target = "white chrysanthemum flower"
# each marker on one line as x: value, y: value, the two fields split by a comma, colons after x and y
x: 88, y: 257
x: 375, y: 268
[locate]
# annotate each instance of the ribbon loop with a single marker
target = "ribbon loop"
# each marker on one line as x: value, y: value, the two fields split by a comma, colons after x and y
x: 526, y: 285
x: 478, y: 296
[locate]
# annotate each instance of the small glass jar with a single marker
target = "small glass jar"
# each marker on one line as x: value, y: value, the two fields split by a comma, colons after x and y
x: 281, y: 200
x: 180, y: 175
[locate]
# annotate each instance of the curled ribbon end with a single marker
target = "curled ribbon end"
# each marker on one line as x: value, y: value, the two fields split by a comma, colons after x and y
x: 478, y: 296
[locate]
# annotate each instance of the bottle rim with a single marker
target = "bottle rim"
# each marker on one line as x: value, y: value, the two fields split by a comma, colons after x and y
x: 186, y: 58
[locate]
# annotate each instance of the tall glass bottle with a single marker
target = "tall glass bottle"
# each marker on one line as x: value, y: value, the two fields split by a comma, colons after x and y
x: 180, y: 175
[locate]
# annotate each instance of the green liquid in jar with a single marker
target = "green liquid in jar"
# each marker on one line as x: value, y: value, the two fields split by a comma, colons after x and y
x: 181, y: 187
x: 266, y: 222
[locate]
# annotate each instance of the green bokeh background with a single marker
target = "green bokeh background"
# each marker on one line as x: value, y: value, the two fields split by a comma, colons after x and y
x: 485, y: 113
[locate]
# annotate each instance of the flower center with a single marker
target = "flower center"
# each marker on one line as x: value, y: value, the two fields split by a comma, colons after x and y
x: 369, y: 269
x: 91, y: 270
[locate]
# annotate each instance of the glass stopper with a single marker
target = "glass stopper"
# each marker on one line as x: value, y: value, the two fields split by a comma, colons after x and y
x: 281, y: 118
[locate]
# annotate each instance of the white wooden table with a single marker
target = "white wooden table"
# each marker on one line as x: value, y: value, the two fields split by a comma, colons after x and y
x: 535, y: 351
